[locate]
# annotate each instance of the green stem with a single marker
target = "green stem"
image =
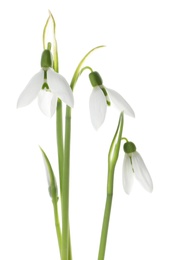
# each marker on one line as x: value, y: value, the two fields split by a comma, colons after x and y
x: 70, y: 247
x: 59, y: 133
x: 66, y: 244
x: 85, y: 68
x: 124, y: 138
x: 65, y: 188
x: 57, y: 223
x: 59, y: 127
x: 112, y: 160
x: 105, y: 226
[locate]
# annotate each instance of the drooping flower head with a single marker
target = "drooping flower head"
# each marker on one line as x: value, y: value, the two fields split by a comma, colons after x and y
x: 134, y: 166
x: 101, y: 97
x: 48, y: 86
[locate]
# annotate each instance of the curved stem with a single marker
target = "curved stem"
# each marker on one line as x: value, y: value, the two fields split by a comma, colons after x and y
x: 85, y: 68
x: 124, y: 138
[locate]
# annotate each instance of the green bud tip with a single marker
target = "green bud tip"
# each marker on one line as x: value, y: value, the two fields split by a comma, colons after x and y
x: 46, y: 59
x: 95, y: 79
x: 129, y: 147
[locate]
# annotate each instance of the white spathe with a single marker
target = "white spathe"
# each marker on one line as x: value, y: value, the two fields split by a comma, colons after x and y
x: 134, y: 166
x: 98, y: 105
x: 58, y: 86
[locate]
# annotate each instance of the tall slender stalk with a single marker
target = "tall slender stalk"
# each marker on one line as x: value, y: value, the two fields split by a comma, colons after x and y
x: 112, y: 159
x: 65, y: 188
x: 59, y: 135
x: 59, y: 127
x: 105, y: 227
x: 57, y: 223
x: 66, y: 253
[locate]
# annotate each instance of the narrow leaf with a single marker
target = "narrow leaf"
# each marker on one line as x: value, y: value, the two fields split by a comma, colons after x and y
x: 78, y: 69
x: 53, y: 190
x: 114, y: 153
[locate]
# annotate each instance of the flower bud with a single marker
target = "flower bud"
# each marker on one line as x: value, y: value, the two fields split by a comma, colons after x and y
x: 129, y: 147
x: 95, y: 79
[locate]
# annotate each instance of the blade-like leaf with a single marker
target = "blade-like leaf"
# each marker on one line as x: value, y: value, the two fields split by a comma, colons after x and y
x: 114, y: 153
x: 53, y: 190
x: 78, y: 69
x: 44, y: 33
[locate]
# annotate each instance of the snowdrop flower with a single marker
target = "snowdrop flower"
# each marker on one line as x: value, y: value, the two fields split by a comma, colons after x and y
x: 133, y: 166
x: 48, y: 86
x: 102, y: 97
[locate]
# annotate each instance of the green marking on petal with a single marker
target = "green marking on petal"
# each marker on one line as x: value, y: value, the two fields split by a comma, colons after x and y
x: 131, y: 163
x: 108, y: 103
x: 106, y: 95
x: 104, y: 91
x: 45, y: 86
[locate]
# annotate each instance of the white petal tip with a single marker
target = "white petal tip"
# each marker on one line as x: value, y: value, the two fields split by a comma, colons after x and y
x: 150, y: 189
x: 71, y: 103
x: 132, y: 114
x: 96, y: 127
x: 17, y: 105
x: 20, y: 104
x: 129, y: 112
x: 127, y: 192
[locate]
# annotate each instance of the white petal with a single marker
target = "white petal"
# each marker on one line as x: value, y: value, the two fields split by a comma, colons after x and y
x: 47, y: 102
x: 98, y: 107
x: 128, y: 175
x: 31, y: 90
x: 141, y: 172
x: 120, y: 102
x: 58, y: 84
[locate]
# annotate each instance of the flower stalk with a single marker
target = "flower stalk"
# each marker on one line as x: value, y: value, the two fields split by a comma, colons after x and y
x: 65, y: 188
x: 59, y: 137
x: 66, y: 245
x: 53, y: 191
x: 112, y: 160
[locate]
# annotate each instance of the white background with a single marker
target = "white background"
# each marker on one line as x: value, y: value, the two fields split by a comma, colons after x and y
x: 136, y: 64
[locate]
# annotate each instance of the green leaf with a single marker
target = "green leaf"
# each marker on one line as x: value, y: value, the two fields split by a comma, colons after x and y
x: 78, y: 69
x: 53, y: 190
x: 114, y: 153
x: 54, y: 44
